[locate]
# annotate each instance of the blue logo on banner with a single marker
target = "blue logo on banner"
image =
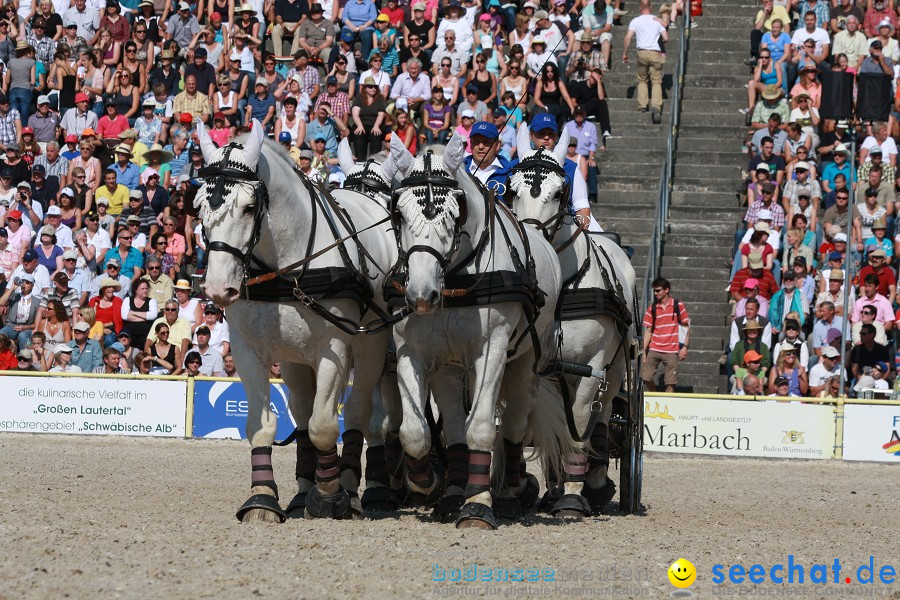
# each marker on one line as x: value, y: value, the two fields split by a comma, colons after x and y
x: 220, y: 410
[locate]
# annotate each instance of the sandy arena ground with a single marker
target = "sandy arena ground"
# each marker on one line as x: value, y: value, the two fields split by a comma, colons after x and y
x: 88, y: 517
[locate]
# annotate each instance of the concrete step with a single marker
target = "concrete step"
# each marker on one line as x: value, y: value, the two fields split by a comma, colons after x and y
x: 695, y: 252
x: 698, y: 271
x: 623, y: 139
x: 670, y: 260
x: 689, y: 294
x: 709, y: 172
x: 709, y: 344
x: 719, y: 200
x: 710, y: 308
x: 725, y: 94
x: 695, y: 227
x: 704, y: 184
x: 699, y: 239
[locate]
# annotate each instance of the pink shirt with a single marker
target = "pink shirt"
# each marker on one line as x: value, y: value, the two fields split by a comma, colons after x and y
x: 176, y: 245
x: 882, y: 304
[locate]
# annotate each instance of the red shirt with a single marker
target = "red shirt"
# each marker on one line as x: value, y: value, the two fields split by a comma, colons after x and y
x: 665, y: 335
x: 8, y: 361
x: 886, y: 278
x: 767, y: 285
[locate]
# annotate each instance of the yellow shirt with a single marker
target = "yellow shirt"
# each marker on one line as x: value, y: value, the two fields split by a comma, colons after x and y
x: 778, y: 12
x: 117, y: 199
x: 138, y: 151
x: 178, y: 331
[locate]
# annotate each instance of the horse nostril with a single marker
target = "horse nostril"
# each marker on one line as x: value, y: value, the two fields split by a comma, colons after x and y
x: 433, y: 297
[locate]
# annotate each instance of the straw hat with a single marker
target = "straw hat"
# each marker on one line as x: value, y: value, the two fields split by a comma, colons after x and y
x: 164, y: 155
x: 752, y: 324
x: 110, y: 282
x: 183, y: 284
x: 771, y: 92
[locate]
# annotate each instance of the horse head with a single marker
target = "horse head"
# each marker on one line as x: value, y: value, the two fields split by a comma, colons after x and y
x: 231, y: 208
x: 369, y: 178
x: 538, y: 182
x: 428, y: 212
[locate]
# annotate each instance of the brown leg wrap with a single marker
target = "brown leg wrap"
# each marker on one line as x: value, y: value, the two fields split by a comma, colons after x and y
x: 576, y: 467
x: 420, y: 471
x: 306, y: 457
x: 599, y: 456
x: 479, y: 472
x: 393, y: 453
x: 327, y: 467
x: 376, y: 469
x: 351, y: 453
x: 261, y: 468
x: 457, y: 465
x: 513, y: 463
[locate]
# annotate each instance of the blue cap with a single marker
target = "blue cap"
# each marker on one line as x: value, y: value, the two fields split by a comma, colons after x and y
x: 882, y: 366
x: 30, y: 255
x: 347, y: 36
x: 835, y: 256
x: 488, y: 130
x: 117, y: 346
x: 543, y: 121
x: 285, y: 137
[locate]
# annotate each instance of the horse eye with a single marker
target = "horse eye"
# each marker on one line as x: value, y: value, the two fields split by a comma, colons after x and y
x: 249, y: 209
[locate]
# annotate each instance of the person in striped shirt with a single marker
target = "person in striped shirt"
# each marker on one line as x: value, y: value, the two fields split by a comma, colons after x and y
x: 663, y: 343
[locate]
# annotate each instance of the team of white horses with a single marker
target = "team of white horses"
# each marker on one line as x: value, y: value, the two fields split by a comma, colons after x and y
x: 466, y: 293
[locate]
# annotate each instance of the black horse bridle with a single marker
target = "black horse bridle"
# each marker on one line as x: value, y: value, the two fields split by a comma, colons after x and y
x: 367, y: 182
x: 539, y: 161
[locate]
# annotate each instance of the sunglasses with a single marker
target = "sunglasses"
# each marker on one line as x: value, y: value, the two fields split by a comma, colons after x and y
x: 170, y: 309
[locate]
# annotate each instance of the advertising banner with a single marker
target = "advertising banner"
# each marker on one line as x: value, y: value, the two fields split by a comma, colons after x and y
x: 872, y: 433
x: 738, y: 428
x: 220, y: 410
x: 82, y: 405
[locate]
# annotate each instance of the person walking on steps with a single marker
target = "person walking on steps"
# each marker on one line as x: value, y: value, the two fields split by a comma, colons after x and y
x: 667, y: 334
x: 648, y: 31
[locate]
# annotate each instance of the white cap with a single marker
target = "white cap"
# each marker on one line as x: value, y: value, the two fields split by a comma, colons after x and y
x: 43, y: 100
x: 764, y: 215
x: 802, y: 165
x: 468, y: 113
x: 53, y: 210
x: 23, y: 184
x: 840, y: 237
x: 67, y: 191
x: 235, y: 55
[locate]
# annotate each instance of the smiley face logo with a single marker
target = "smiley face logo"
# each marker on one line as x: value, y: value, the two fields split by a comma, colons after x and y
x: 682, y: 573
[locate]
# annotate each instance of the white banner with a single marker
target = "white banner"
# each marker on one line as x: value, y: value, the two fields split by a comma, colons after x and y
x: 736, y: 428
x: 872, y: 433
x: 93, y: 406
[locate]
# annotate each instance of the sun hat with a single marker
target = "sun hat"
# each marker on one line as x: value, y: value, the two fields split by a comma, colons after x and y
x: 183, y: 284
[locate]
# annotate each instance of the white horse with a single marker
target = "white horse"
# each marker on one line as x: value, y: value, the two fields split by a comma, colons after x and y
x: 451, y: 234
x: 600, y: 338
x: 261, y: 218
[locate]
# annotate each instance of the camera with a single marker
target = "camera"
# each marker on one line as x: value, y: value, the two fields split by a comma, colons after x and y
x: 17, y: 281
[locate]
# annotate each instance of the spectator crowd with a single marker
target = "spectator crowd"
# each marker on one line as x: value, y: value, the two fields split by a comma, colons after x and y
x: 100, y: 102
x: 812, y: 220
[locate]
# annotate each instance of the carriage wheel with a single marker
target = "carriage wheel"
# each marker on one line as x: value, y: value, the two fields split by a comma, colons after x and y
x: 631, y: 449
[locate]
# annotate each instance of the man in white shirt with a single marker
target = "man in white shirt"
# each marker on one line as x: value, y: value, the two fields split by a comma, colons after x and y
x: 212, y: 363
x: 31, y: 266
x: 411, y: 88
x: 822, y: 371
x: 647, y: 31
x: 63, y: 232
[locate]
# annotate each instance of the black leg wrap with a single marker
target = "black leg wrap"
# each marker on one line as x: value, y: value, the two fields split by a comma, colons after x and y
x: 447, y: 509
x: 515, y: 507
x: 376, y: 469
x: 513, y: 471
x: 576, y: 467
x: 553, y: 493
x: 262, y: 502
x: 419, y: 471
x: 480, y: 512
x: 379, y: 499
x: 598, y: 498
x: 351, y: 453
x: 327, y: 467
x: 335, y: 506
x: 599, y: 456
x: 479, y: 473
x: 306, y: 457
x: 297, y: 505
x: 261, y: 469
x: 457, y: 466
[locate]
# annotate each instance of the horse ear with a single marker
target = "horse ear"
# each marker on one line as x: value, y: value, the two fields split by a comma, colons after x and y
x: 454, y: 153
x: 345, y: 156
x: 401, y: 155
x: 206, y: 144
x: 562, y: 147
x: 389, y: 168
x: 253, y: 143
x: 523, y: 140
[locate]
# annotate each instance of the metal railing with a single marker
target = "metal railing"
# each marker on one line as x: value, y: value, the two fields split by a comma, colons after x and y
x: 667, y: 170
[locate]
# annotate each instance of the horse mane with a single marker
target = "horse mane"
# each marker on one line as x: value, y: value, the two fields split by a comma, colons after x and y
x: 549, y: 182
x: 413, y: 202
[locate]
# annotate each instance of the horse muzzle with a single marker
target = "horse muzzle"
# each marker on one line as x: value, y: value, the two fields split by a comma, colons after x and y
x: 423, y: 304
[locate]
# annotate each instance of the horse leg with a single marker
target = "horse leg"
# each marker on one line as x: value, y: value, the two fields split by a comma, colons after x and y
x: 262, y: 423
x: 447, y: 386
x: 328, y: 499
x: 486, y: 375
x: 421, y: 477
x: 368, y: 363
x: 599, y: 489
x: 300, y: 380
x: 378, y: 495
x: 571, y: 504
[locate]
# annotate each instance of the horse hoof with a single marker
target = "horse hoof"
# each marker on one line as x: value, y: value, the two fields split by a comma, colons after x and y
x: 508, y: 507
x: 379, y: 499
x: 476, y: 516
x: 528, y: 497
x: 598, y: 498
x: 548, y: 500
x: 334, y: 506
x: 571, y: 506
x: 260, y: 508
x: 447, y: 510
x: 296, y: 507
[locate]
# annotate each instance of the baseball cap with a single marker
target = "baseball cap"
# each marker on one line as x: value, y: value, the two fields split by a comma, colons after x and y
x: 43, y: 100
x: 764, y: 215
x: 67, y: 191
x: 306, y: 154
x: 499, y: 112
x: 14, y: 214
x: 751, y: 283
x: 878, y: 252
x: 788, y: 275
x: 81, y: 97
x: 840, y: 237
x: 781, y: 380
x: 27, y: 277
x: 210, y: 307
x: 331, y: 80
x: 486, y: 129
x: 53, y: 211
x: 285, y: 137
x: 103, y: 201
x: 830, y: 352
x: 347, y: 36
x: 751, y: 356
x: 39, y: 169
x: 70, y: 255
x: 202, y: 329
x: 30, y: 130
x: 800, y: 260
x: 81, y: 326
x: 755, y: 260
x: 23, y: 184
x: 468, y: 114
x: 201, y: 51
x: 543, y: 121
x: 835, y: 256
x: 186, y: 117
x: 71, y: 139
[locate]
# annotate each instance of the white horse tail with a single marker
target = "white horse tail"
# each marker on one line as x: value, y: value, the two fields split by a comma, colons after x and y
x: 548, y: 431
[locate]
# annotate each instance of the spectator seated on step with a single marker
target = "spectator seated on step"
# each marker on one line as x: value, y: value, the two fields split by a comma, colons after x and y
x: 759, y: 178
x: 805, y: 281
x: 841, y: 164
x: 751, y: 296
x: 772, y: 101
x: 867, y: 316
x: 802, y: 180
x: 793, y: 339
x: 750, y: 369
x: 880, y: 138
x: 826, y: 320
x: 774, y: 130
x: 876, y: 159
x: 767, y: 157
x: 765, y: 279
x: 881, y: 268
x: 751, y: 340
x: 867, y: 353
x: 787, y: 300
